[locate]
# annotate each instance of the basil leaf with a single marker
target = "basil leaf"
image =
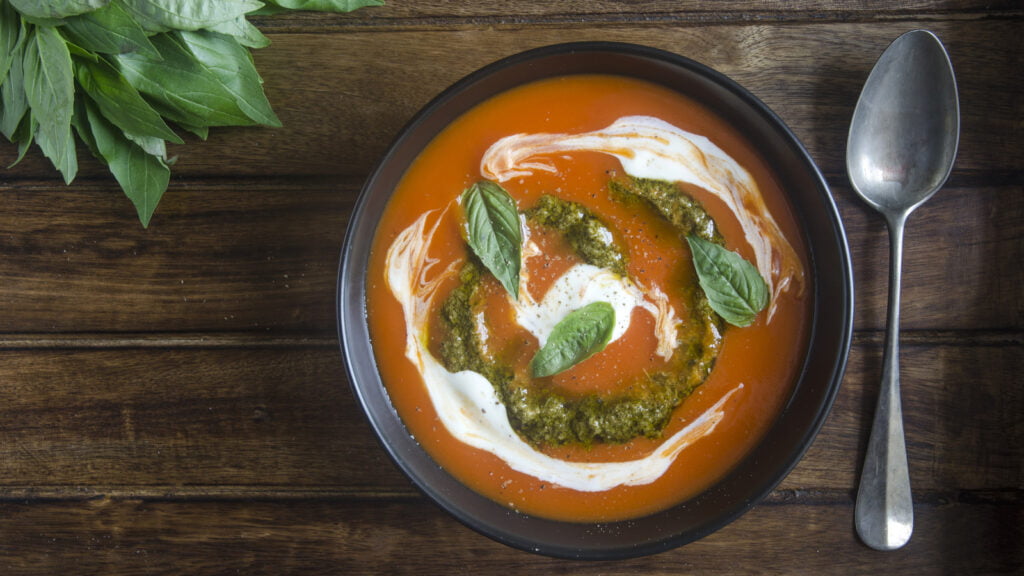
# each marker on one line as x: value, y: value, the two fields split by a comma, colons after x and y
x: 733, y: 286
x: 24, y: 135
x: 12, y: 93
x: 80, y: 122
x: 143, y: 177
x: 163, y: 15
x: 268, y: 9
x: 180, y: 87
x: 152, y: 146
x: 109, y: 30
x: 77, y: 51
x: 50, y: 89
x: 232, y: 64
x: 493, y: 231
x: 243, y: 31
x: 324, y: 5
x: 120, y: 102
x: 9, y: 36
x: 581, y: 334
x: 56, y: 9
x: 203, y: 132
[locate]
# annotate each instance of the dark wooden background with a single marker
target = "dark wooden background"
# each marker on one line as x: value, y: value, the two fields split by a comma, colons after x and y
x: 173, y: 400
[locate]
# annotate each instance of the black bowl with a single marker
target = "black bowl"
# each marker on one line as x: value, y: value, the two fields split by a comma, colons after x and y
x: 818, y: 380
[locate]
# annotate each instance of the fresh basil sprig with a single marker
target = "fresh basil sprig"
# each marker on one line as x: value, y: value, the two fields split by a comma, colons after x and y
x: 493, y: 231
x: 276, y: 6
x: 734, y: 288
x: 116, y: 72
x: 581, y: 334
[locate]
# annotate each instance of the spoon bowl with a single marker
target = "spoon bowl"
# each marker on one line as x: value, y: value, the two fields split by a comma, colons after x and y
x: 905, y: 128
x: 903, y: 139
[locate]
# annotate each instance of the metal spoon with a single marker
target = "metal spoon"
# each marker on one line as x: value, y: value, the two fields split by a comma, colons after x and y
x: 903, y: 138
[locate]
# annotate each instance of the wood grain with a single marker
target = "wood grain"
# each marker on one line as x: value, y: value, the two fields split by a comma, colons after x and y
x: 262, y: 256
x: 413, y: 537
x: 174, y: 400
x: 224, y: 256
x: 591, y: 11
x: 343, y: 97
x: 184, y: 421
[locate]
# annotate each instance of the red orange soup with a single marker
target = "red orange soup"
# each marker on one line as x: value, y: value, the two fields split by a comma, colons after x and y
x: 764, y: 357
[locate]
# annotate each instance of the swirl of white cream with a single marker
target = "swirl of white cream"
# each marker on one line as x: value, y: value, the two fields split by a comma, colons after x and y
x: 649, y: 147
x: 583, y: 284
x: 471, y: 411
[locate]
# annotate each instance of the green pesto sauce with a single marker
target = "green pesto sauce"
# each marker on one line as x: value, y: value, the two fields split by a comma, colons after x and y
x: 685, y: 213
x: 541, y: 413
x: 592, y: 240
x: 462, y: 348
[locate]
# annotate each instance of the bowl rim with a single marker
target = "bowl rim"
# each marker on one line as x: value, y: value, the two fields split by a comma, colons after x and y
x: 626, y: 538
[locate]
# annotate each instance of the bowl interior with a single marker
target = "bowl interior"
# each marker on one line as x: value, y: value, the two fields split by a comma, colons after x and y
x: 818, y: 381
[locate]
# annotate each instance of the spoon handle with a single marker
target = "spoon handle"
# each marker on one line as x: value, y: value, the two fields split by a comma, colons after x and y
x: 884, y: 513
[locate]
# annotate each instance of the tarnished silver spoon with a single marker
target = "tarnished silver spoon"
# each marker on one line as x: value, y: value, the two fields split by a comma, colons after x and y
x: 903, y: 139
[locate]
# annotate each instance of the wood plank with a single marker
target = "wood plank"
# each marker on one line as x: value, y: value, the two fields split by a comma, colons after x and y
x: 961, y: 260
x: 413, y: 537
x: 343, y: 96
x: 962, y: 429
x: 593, y: 10
x: 171, y: 418
x: 220, y: 421
x: 262, y: 256
x: 174, y: 400
x: 246, y: 255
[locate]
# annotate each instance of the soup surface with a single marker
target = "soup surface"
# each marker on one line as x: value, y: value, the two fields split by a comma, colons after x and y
x: 554, y: 147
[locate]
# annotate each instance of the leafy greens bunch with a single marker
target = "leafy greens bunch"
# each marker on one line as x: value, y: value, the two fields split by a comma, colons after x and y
x: 119, y: 73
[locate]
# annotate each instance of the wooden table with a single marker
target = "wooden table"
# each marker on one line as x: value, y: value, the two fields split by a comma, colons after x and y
x: 173, y: 400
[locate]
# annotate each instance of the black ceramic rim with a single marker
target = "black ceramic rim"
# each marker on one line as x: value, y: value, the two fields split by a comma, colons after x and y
x: 818, y: 381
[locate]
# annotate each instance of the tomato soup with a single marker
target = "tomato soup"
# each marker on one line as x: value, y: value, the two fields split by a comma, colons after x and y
x: 574, y: 128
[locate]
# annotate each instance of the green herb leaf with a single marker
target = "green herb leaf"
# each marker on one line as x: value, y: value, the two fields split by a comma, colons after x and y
x: 163, y: 15
x: 80, y: 122
x: 152, y: 146
x: 77, y: 51
x: 180, y: 87
x: 56, y: 9
x: 733, y: 286
x: 9, y: 35
x: 203, y: 132
x: 232, y: 64
x: 493, y: 231
x: 581, y: 334
x: 109, y: 30
x: 13, y: 102
x: 194, y: 71
x: 324, y: 5
x: 24, y: 135
x: 143, y: 177
x: 120, y: 102
x: 50, y: 89
x: 244, y: 32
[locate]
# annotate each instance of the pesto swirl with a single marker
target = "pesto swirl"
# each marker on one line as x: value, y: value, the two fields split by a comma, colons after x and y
x: 591, y: 238
x: 541, y: 413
